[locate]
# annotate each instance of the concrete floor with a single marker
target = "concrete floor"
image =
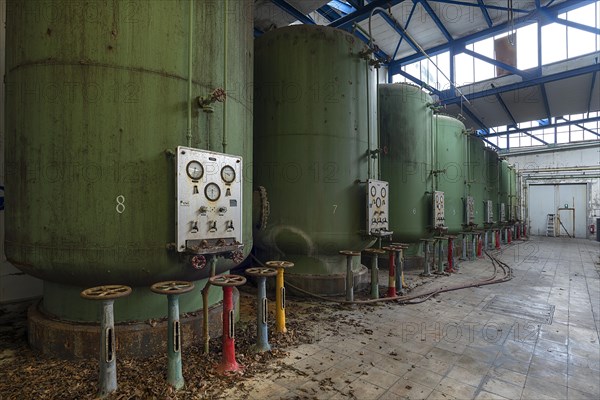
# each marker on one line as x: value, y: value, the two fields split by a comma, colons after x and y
x: 470, y: 344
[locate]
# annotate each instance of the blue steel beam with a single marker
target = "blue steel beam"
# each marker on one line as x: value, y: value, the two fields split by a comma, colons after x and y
x: 474, y: 117
x: 288, y: 8
x: 577, y: 25
x: 410, y: 15
x: 487, y: 6
x: 420, y: 83
x: 581, y: 126
x: 505, y: 107
x: 485, y: 13
x: 435, y: 19
x: 589, y: 104
x: 396, y: 26
x: 545, y: 99
x: 497, y: 63
x: 488, y: 142
x: 550, y: 126
x: 495, y: 30
x: 363, y: 13
x: 521, y: 85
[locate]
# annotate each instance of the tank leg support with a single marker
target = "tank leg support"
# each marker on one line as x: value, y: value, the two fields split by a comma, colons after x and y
x: 426, y: 254
x: 280, y: 302
x: 463, y: 255
x: 497, y: 239
x: 440, y: 266
x: 108, y: 356
x: 392, y: 272
x: 374, y: 276
x: 509, y: 235
x: 262, y: 333
x: 479, y: 245
x: 228, y: 362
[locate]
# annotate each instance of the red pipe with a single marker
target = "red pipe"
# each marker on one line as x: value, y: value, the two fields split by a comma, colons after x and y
x: 228, y: 363
x: 392, y: 268
x: 509, y: 235
x: 479, y: 245
x: 497, y: 239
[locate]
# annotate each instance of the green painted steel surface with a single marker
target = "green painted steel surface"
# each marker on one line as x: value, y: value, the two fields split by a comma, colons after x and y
x: 450, y: 158
x: 493, y: 180
x: 512, y: 193
x: 314, y: 110
x: 405, y: 127
x: 477, y: 178
x: 96, y: 92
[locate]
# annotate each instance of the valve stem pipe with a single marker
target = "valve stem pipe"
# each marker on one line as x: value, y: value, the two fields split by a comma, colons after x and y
x: 108, y: 357
x: 262, y: 333
x: 228, y: 362
x: 205, y: 291
x: 280, y: 302
x: 174, y: 371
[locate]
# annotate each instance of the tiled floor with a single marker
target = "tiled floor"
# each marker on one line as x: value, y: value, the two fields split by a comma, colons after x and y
x: 451, y: 348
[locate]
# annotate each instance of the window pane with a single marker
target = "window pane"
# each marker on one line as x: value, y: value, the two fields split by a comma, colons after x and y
x: 464, y: 69
x: 554, y: 43
x: 527, y: 47
x: 580, y: 42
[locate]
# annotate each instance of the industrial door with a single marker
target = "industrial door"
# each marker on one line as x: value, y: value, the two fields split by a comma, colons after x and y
x: 547, y: 199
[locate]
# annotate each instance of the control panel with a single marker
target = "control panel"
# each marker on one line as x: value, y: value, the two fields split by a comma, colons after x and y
x: 209, y: 201
x: 502, y: 212
x: 377, y: 206
x: 489, y: 212
x: 470, y: 210
x: 439, y: 219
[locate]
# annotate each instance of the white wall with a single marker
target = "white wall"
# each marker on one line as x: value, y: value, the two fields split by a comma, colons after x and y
x: 14, y: 285
x: 568, y: 164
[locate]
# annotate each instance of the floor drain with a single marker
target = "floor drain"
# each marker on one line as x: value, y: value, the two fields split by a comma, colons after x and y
x: 507, y: 305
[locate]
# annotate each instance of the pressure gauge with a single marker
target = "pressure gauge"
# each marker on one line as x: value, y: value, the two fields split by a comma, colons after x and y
x: 195, y: 170
x: 373, y: 191
x: 228, y: 174
x: 378, y: 202
x: 212, y: 192
x: 383, y: 192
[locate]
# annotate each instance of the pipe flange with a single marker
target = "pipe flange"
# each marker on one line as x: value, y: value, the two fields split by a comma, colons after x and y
x: 389, y: 248
x: 172, y: 287
x: 106, y: 292
x: 279, y: 264
x: 260, y: 271
x: 227, y: 280
x: 350, y: 253
x: 198, y: 261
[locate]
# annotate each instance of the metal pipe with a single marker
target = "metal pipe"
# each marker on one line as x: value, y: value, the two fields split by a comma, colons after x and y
x: 190, y: 72
x: 228, y: 363
x: 174, y: 373
x: 374, y: 276
x: 108, y: 357
x: 225, y: 50
x: 349, y: 279
x: 369, y: 169
x: 280, y: 302
x: 262, y: 335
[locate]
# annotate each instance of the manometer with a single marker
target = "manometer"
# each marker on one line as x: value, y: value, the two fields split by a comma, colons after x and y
x: 195, y: 170
x: 212, y: 192
x: 378, y: 202
x: 228, y: 174
x: 383, y: 192
x: 373, y: 191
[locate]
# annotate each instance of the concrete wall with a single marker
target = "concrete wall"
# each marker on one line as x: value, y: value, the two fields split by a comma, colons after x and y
x: 567, y: 164
x: 14, y: 285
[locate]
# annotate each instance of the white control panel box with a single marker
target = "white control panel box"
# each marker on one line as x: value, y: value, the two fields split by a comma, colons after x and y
x: 489, y: 212
x: 470, y: 210
x: 439, y: 216
x: 377, y: 206
x: 208, y: 202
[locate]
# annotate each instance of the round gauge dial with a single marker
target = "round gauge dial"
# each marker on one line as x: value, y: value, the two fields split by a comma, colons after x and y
x: 195, y: 170
x: 212, y: 192
x: 383, y: 192
x: 378, y: 202
x: 373, y: 191
x: 228, y: 174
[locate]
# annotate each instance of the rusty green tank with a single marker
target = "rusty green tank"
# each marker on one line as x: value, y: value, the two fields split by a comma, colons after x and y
x: 314, y: 123
x: 97, y: 98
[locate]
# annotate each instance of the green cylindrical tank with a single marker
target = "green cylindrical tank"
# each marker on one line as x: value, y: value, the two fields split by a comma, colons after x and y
x: 406, y: 133
x: 450, y: 143
x: 477, y: 178
x: 315, y: 120
x: 504, y: 186
x: 492, y: 181
x: 97, y: 92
